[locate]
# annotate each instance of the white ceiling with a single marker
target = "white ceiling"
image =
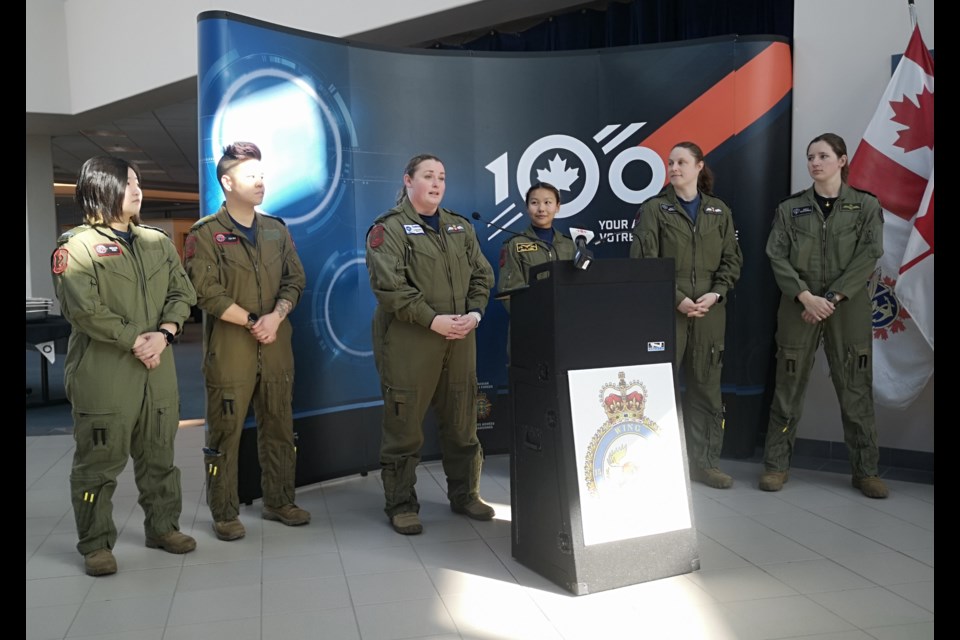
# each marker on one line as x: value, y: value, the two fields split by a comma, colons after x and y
x: 158, y: 130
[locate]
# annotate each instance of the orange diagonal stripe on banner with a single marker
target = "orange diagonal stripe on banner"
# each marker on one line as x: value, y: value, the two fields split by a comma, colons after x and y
x: 731, y: 105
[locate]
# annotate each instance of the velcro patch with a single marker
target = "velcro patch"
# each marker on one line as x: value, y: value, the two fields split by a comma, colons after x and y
x: 189, y: 246
x: 716, y: 210
x: 667, y: 207
x: 226, y: 238
x: 59, y: 260
x: 376, y: 236
x: 413, y: 229
x: 454, y: 228
x: 801, y: 211
x: 850, y: 206
x: 523, y: 247
x: 108, y: 249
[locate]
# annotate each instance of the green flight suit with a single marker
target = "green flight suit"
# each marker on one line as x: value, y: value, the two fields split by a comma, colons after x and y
x: 417, y: 274
x: 707, y: 259
x: 520, y: 254
x: 111, y: 292
x: 811, y: 252
x: 226, y: 268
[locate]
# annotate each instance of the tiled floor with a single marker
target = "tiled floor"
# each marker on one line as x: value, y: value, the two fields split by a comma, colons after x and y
x: 817, y: 560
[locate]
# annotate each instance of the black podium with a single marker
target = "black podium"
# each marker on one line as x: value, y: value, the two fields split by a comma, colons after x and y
x: 599, y: 486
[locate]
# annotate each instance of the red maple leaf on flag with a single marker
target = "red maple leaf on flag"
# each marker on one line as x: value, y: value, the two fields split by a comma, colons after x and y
x: 918, y: 118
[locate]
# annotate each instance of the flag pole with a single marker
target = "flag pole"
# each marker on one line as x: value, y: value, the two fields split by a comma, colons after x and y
x: 913, y: 14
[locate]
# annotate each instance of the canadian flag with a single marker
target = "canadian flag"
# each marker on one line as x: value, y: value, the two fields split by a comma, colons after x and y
x: 895, y: 162
x: 915, y: 285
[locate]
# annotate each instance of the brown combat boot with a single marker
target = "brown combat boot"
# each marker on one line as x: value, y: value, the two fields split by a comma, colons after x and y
x: 712, y: 478
x: 476, y: 509
x: 871, y: 486
x: 407, y: 523
x: 773, y: 480
x: 229, y: 529
x: 289, y: 514
x: 100, y: 563
x: 172, y: 542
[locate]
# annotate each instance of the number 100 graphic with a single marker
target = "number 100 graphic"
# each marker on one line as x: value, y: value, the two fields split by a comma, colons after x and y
x: 562, y: 177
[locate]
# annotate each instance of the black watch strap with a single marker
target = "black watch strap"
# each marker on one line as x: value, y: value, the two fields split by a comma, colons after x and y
x: 252, y: 319
x: 167, y: 335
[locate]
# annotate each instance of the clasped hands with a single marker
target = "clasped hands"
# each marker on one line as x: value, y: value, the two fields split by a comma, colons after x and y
x: 699, y: 308
x: 454, y: 327
x: 816, y: 309
x: 148, y: 347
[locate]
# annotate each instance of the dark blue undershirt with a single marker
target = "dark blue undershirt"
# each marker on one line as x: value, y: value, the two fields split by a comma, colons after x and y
x: 544, y: 234
x: 433, y: 221
x: 249, y: 232
x: 691, y: 207
x: 126, y: 236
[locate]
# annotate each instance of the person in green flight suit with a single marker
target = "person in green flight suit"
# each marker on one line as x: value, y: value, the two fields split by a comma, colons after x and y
x: 122, y: 288
x: 248, y: 278
x: 432, y: 284
x: 540, y: 242
x: 686, y: 222
x: 823, y: 247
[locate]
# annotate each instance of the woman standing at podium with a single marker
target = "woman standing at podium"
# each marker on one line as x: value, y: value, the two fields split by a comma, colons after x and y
x: 686, y: 222
x: 122, y: 288
x: 540, y: 242
x: 432, y: 284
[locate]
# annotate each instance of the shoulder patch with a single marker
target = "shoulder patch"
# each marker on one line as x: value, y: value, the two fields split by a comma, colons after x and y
x: 190, y: 246
x: 59, y: 261
x: 503, y: 255
x: 375, y: 236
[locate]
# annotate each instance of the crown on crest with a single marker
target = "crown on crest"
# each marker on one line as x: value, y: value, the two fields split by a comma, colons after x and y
x: 623, y: 400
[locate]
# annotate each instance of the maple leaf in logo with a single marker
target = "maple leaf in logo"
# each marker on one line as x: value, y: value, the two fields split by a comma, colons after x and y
x: 918, y: 118
x: 558, y: 175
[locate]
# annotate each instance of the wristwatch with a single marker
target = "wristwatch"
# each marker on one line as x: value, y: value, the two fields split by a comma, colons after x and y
x: 251, y: 320
x: 167, y: 335
x: 831, y: 296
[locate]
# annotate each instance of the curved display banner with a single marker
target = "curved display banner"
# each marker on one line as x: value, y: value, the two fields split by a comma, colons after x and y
x: 337, y: 123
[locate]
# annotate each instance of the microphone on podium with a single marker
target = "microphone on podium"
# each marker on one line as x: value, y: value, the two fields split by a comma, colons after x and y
x: 581, y: 238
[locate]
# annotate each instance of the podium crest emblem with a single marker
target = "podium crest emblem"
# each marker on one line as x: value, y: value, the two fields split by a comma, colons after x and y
x: 617, y: 447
